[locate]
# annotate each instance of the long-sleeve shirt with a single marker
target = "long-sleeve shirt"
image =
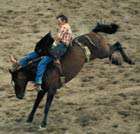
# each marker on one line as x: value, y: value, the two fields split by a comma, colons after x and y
x: 65, y: 33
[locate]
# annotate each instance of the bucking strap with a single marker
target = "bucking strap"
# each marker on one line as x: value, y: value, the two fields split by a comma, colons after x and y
x: 89, y: 39
x: 85, y: 48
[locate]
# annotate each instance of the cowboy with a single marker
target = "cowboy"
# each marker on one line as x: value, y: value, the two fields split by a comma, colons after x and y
x: 58, y: 49
x: 62, y: 40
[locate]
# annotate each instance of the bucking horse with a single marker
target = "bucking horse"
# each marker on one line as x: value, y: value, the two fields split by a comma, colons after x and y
x: 82, y: 49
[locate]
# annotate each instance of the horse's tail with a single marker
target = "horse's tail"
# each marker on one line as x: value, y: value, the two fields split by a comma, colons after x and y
x: 106, y: 28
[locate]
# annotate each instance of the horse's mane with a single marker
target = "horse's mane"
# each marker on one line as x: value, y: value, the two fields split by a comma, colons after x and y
x: 42, y: 46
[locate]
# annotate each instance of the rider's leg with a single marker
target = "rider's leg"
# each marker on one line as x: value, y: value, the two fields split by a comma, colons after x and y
x: 57, y: 52
x: 30, y: 56
x: 60, y: 51
x: 41, y: 69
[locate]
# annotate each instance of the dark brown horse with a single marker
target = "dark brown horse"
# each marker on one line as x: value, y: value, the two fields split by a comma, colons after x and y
x: 88, y: 46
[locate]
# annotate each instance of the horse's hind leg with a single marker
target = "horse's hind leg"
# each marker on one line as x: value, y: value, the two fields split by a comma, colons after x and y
x: 40, y: 96
x: 118, y: 47
x: 50, y: 96
x: 126, y: 58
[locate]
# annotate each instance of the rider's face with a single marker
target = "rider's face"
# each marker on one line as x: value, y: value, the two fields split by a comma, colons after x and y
x: 60, y: 22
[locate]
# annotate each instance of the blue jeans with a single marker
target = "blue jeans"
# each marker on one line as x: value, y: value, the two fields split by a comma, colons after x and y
x: 29, y: 57
x: 41, y: 66
x: 59, y: 50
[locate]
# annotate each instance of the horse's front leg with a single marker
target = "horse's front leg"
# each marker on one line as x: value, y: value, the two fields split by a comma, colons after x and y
x: 50, y: 97
x: 39, y: 97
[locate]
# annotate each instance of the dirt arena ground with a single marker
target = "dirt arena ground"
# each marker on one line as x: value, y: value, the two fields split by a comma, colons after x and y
x: 103, y: 98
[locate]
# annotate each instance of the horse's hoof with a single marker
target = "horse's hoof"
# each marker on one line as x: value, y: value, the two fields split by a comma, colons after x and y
x: 131, y: 62
x: 42, y: 128
x: 29, y: 120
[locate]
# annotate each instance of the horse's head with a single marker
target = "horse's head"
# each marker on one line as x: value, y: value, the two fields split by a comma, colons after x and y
x: 21, y: 76
x: 19, y: 81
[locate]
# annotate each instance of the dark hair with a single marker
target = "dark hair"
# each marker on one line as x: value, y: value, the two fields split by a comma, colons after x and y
x: 62, y: 17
